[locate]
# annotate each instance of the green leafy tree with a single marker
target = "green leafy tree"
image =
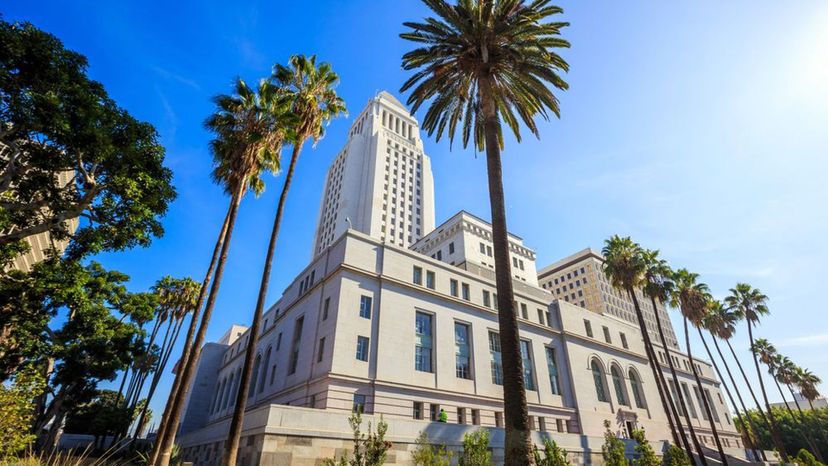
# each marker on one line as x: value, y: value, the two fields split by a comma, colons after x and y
x: 476, y: 449
x: 645, y: 455
x: 17, y: 410
x: 369, y: 449
x: 70, y: 153
x: 791, y: 430
x: 553, y: 455
x: 427, y: 454
x: 481, y: 63
x: 805, y: 458
x: 308, y: 92
x: 675, y: 456
x: 613, y: 449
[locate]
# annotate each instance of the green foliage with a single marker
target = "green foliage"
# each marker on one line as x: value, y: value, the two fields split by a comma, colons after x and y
x: 102, y: 415
x: 70, y: 152
x: 644, y: 451
x: 613, y: 448
x: 675, y: 456
x: 369, y: 449
x: 791, y: 429
x: 17, y: 410
x: 476, y: 449
x: 553, y: 455
x: 430, y: 455
x: 805, y: 458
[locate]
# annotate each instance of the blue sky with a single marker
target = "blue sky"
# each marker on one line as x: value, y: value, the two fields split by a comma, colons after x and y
x: 697, y: 128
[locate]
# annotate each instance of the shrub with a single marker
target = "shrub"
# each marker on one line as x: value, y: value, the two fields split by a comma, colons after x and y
x: 805, y: 458
x: 553, y: 455
x: 613, y: 448
x: 369, y: 450
x: 476, y: 449
x: 675, y: 456
x: 430, y: 455
x: 17, y: 410
x: 644, y: 451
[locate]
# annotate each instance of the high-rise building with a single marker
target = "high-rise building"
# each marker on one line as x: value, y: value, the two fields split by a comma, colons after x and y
x: 380, y: 183
x: 580, y: 280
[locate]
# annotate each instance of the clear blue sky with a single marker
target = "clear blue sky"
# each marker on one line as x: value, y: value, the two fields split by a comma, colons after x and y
x: 697, y: 128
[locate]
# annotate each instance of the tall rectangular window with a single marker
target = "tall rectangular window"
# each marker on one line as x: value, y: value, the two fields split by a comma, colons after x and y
x: 294, y: 346
x: 528, y: 365
x: 430, y: 280
x: 461, y: 415
x: 451, y: 247
x: 588, y: 328
x: 487, y: 298
x: 700, y: 402
x: 462, y: 351
x: 607, y: 336
x: 624, y: 341
x: 712, y: 406
x: 434, y: 412
x: 482, y: 248
x: 454, y: 287
x: 496, y: 362
x: 325, y: 308
x: 541, y: 316
x: 359, y: 403
x: 321, y: 352
x: 423, y: 342
x: 523, y: 311
x: 362, y: 348
x: 552, y: 366
x: 475, y: 417
x: 688, y: 400
x: 498, y: 419
x: 466, y: 292
x: 418, y: 275
x: 418, y: 410
x: 278, y: 341
x: 365, y: 307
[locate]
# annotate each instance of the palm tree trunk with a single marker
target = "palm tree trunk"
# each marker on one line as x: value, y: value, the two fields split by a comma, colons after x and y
x: 750, y: 435
x: 667, y: 387
x: 705, y: 403
x: 517, y: 444
x: 231, y: 448
x: 166, y: 444
x: 774, y: 431
x: 188, y: 341
x: 651, y: 358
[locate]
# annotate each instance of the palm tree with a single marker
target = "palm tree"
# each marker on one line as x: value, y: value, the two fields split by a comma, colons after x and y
x: 720, y: 323
x: 807, y: 383
x: 714, y: 322
x: 482, y: 61
x: 311, y: 101
x: 625, y: 268
x: 658, y: 286
x: 691, y: 298
x: 752, y: 304
x: 247, y: 143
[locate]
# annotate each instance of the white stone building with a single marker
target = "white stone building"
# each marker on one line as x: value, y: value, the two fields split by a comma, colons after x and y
x: 403, y: 327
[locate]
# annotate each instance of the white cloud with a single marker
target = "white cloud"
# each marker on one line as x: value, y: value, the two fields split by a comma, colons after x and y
x: 817, y: 339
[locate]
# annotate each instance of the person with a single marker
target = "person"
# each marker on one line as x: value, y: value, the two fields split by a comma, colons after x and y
x: 443, y: 415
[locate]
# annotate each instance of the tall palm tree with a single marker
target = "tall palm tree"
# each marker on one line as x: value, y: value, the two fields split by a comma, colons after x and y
x: 807, y: 383
x: 658, y: 286
x: 713, y: 322
x: 720, y: 323
x: 691, y: 298
x: 625, y: 269
x: 786, y: 373
x: 480, y: 62
x: 247, y: 142
x: 752, y: 304
x: 308, y: 92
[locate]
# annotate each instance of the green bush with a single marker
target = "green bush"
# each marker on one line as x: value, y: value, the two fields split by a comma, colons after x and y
x: 17, y: 410
x: 613, y: 448
x: 805, y: 458
x: 644, y: 451
x: 792, y: 427
x: 369, y: 450
x: 476, y: 449
x: 430, y: 455
x: 675, y: 456
x: 553, y: 455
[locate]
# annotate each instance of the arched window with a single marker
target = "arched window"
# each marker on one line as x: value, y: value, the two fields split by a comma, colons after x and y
x: 264, y: 370
x: 217, y: 398
x: 618, y: 383
x: 252, y: 389
x: 638, y: 395
x: 235, y: 391
x: 598, y: 377
x: 228, y: 391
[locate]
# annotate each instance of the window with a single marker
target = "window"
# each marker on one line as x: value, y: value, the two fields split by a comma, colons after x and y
x: 294, y: 347
x: 552, y: 366
x: 321, y: 351
x: 278, y: 341
x: 359, y: 403
x: 541, y: 317
x: 607, y: 336
x: 528, y: 366
x: 482, y: 248
x: 272, y: 373
x: 498, y: 419
x: 618, y: 383
x: 423, y: 344
x: 418, y: 275
x: 514, y: 262
x: 263, y: 377
x: 362, y: 348
x: 497, y: 364
x: 461, y: 415
x: 689, y: 402
x: 453, y: 286
x: 489, y: 251
x: 636, y: 390
x: 700, y: 402
x: 418, y: 410
x: 588, y: 328
x: 434, y: 412
x: 523, y: 312
x: 462, y: 352
x: 624, y: 341
x: 466, y: 292
x: 487, y: 300
x: 475, y: 417
x: 325, y: 308
x: 252, y: 389
x: 542, y: 424
x: 365, y: 307
x: 559, y: 425
x: 451, y: 247
x: 439, y: 253
x: 598, y: 378
x: 430, y: 279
